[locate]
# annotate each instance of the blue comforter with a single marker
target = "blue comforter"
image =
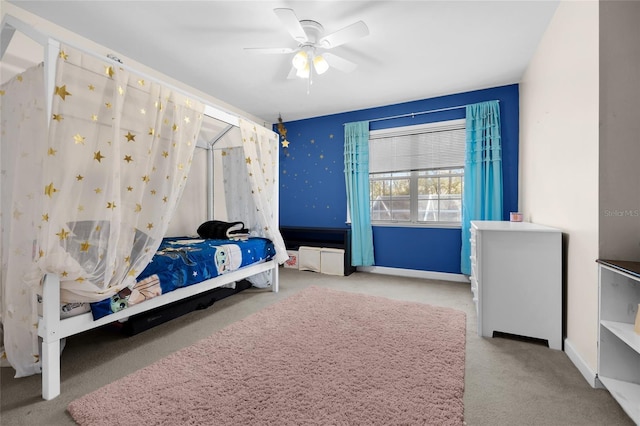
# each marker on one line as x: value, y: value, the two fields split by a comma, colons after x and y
x: 180, y: 262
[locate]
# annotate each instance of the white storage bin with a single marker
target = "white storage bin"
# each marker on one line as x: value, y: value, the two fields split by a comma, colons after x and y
x: 332, y: 261
x: 309, y: 258
x: 292, y: 262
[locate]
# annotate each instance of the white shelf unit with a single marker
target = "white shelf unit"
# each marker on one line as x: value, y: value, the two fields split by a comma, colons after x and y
x: 516, y: 279
x: 618, y: 343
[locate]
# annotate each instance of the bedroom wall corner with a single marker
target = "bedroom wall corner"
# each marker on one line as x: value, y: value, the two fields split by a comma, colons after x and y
x: 559, y: 140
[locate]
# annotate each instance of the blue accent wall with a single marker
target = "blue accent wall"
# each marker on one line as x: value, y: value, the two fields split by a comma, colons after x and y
x: 312, y: 186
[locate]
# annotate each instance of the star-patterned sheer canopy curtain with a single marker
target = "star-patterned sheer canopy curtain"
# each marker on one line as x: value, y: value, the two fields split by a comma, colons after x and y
x: 482, y: 196
x: 114, y: 164
x: 250, y: 173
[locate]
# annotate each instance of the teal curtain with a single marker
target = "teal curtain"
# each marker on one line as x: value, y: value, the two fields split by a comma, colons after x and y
x: 356, y: 175
x: 482, y: 196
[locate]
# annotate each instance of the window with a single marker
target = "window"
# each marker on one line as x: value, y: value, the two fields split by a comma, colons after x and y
x: 416, y: 174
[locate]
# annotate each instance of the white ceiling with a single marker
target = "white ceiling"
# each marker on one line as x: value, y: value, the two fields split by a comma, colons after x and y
x: 415, y: 49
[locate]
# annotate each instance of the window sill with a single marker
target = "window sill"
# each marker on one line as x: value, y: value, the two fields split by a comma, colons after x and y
x: 445, y: 225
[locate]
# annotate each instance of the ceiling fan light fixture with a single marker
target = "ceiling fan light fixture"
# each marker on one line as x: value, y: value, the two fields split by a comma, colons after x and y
x: 304, y: 72
x: 320, y: 64
x: 300, y: 60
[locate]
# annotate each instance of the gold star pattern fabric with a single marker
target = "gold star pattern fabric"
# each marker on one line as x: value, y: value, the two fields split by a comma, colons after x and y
x: 85, y: 181
x: 250, y: 190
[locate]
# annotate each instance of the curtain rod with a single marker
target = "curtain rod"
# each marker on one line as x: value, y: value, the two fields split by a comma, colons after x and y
x: 412, y: 114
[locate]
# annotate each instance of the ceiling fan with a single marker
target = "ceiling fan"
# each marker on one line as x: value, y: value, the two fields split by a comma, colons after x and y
x: 311, y: 53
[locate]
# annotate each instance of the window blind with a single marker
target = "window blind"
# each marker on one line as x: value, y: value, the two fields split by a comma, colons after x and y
x: 417, y: 147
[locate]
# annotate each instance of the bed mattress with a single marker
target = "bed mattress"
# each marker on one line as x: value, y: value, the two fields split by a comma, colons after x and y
x: 181, y: 262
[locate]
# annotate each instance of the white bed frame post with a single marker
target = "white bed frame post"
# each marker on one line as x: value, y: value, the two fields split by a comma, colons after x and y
x: 49, y: 327
x: 49, y: 331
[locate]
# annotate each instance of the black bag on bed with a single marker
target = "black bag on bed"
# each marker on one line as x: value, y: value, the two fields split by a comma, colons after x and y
x: 220, y: 230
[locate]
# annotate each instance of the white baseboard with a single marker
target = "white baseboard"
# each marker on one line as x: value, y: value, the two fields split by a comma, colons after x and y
x: 581, y: 365
x: 413, y: 273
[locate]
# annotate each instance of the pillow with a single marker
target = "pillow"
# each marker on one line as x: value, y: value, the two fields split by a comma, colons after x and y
x: 220, y: 230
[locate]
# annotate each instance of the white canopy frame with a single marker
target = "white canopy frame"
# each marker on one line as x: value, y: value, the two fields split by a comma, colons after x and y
x: 51, y: 328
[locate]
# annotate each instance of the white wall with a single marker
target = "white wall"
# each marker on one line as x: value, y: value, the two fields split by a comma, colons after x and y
x: 559, y: 157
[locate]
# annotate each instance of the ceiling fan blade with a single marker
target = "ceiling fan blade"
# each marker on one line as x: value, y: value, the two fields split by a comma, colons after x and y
x: 345, y: 35
x: 270, y: 50
x: 292, y: 73
x: 339, y: 63
x: 291, y: 24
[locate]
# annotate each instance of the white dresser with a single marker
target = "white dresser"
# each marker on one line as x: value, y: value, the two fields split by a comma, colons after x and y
x: 516, y: 279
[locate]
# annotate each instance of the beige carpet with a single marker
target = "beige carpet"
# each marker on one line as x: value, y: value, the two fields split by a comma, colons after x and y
x: 321, y: 357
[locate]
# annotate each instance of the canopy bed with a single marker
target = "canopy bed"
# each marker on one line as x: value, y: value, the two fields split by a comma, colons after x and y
x: 95, y: 159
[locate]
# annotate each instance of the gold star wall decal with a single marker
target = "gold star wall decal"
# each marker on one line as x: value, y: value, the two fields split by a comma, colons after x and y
x: 128, y: 158
x: 149, y: 226
x: 57, y: 117
x: 138, y: 208
x: 153, y: 192
x: 151, y: 131
x: 62, y: 92
x: 92, y: 87
x: 187, y: 120
x: 143, y: 111
x: 80, y: 280
x: 94, y: 117
x: 174, y: 127
x: 165, y: 154
x: 63, y: 234
x: 120, y: 90
x: 108, y: 105
x: 65, y: 274
x: 52, y: 152
x: 108, y: 70
x: 111, y: 205
x: 247, y: 160
x: 50, y: 190
x: 63, y: 55
x: 78, y: 139
x: 132, y: 273
x: 45, y: 217
x: 129, y: 188
x: 98, y: 156
x: 141, y: 82
x: 130, y: 137
x: 19, y: 78
x: 85, y: 246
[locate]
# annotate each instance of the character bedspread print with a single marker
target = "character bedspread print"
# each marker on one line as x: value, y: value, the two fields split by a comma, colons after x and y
x: 180, y: 262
